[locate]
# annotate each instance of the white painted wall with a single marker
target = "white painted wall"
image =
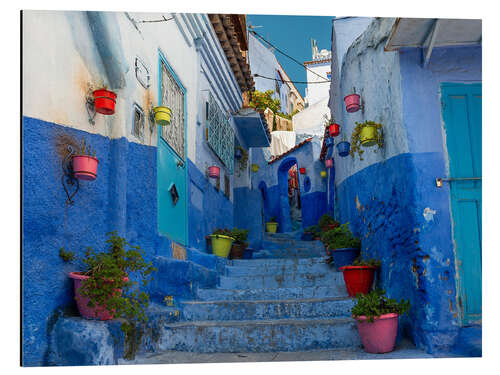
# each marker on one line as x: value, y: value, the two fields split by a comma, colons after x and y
x: 317, y: 91
x: 311, y: 119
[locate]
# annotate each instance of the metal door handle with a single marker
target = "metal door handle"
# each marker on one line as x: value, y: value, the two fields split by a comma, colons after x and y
x: 439, y: 180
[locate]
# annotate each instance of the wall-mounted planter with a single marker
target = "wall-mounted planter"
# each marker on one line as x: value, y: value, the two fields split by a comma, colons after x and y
x: 85, y: 167
x: 352, y: 103
x: 368, y: 136
x: 238, y: 154
x: 343, y: 148
x: 329, y: 142
x: 221, y: 245
x: 344, y: 257
x: 271, y: 227
x: 329, y: 163
x: 358, y: 279
x: 334, y: 130
x: 255, y: 168
x: 378, y: 336
x: 96, y: 312
x: 302, y: 170
x: 104, y: 101
x: 214, y: 171
x: 323, y: 174
x: 162, y: 115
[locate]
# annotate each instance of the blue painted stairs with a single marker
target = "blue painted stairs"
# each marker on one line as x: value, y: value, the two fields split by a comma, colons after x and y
x: 285, y: 299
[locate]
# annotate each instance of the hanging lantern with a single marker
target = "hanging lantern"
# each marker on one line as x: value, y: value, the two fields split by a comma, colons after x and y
x: 214, y: 171
x: 323, y: 174
x: 255, y: 168
x: 334, y: 130
x: 329, y: 163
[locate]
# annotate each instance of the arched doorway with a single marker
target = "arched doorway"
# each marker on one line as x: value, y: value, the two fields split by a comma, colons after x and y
x: 289, y: 196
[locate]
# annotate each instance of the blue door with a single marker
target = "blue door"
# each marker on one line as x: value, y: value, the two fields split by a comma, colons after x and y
x: 172, y: 191
x: 462, y: 120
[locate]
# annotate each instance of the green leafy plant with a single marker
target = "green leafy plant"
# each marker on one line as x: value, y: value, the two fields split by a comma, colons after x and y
x: 356, y: 137
x: 66, y: 255
x: 376, y: 303
x: 223, y: 232
x: 240, y: 236
x: 359, y: 261
x: 326, y: 221
x: 109, y: 271
x: 243, y: 162
x: 263, y: 100
x: 86, y: 149
x: 273, y: 219
x: 314, y: 230
x: 340, y: 238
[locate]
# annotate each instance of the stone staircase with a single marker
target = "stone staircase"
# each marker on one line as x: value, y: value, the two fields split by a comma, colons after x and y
x: 285, y: 299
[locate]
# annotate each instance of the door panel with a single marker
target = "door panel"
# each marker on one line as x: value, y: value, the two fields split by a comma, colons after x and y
x: 462, y: 116
x: 172, y: 188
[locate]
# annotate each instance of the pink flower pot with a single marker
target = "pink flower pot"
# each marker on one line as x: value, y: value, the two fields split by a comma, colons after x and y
x: 329, y: 163
x: 97, y: 312
x: 352, y: 103
x: 214, y: 171
x: 85, y: 167
x: 379, y: 336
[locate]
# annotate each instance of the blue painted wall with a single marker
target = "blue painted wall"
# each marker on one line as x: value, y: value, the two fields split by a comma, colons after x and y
x: 122, y: 198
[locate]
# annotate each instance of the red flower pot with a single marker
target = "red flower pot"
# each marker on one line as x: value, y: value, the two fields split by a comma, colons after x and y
x: 302, y: 170
x: 334, y: 130
x: 352, y: 103
x: 97, y: 312
x: 380, y: 335
x: 214, y: 171
x: 329, y: 163
x: 104, y: 101
x: 85, y: 167
x: 358, y: 279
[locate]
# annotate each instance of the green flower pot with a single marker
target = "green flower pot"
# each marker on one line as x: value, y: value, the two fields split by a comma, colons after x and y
x: 368, y: 136
x: 271, y: 227
x: 221, y: 245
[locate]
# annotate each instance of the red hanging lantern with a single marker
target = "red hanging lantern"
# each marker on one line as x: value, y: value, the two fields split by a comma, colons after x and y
x: 329, y: 163
x: 334, y: 130
x: 302, y: 170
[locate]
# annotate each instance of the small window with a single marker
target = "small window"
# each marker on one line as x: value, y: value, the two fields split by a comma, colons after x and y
x: 138, y: 122
x: 227, y: 187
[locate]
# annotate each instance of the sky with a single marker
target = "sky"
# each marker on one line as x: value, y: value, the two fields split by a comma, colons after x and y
x: 292, y: 34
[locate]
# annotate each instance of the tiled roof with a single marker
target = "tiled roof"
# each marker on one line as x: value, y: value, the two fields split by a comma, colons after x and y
x: 317, y: 61
x: 276, y: 158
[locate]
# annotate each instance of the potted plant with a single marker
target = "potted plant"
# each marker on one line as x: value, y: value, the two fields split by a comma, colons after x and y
x: 342, y: 246
x: 272, y: 225
x: 323, y: 174
x: 366, y: 134
x: 222, y: 239
x: 255, y: 168
x: 329, y: 163
x: 85, y: 163
x: 358, y: 276
x: 242, y: 160
x: 162, y: 115
x: 239, y: 245
x: 104, y: 101
x: 333, y: 127
x: 377, y: 320
x: 302, y: 170
x: 214, y: 171
x: 326, y: 222
x: 352, y: 103
x: 104, y: 291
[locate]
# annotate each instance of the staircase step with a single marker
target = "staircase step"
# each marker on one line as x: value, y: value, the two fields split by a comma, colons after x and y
x: 286, y: 280
x: 258, y: 336
x: 289, y: 253
x: 334, y: 290
x: 317, y: 308
x: 265, y: 269
x: 276, y: 262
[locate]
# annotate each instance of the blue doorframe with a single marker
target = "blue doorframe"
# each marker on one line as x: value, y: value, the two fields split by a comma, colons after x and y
x: 285, y: 221
x: 462, y: 115
x: 172, y: 170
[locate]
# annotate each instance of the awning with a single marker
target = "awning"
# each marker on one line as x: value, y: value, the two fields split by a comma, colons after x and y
x: 252, y: 128
x: 427, y: 33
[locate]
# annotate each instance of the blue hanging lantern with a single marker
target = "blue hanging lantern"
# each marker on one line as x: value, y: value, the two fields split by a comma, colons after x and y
x: 343, y: 148
x: 329, y: 142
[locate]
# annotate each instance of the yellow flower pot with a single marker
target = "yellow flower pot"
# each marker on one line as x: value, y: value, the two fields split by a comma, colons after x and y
x: 271, y: 227
x: 368, y: 136
x: 323, y: 174
x: 162, y: 115
x: 221, y: 245
x: 255, y: 167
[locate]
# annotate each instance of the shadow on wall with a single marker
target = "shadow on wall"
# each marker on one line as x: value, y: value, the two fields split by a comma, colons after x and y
x: 284, y: 219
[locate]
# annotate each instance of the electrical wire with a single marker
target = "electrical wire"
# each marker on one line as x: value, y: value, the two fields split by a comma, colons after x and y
x: 279, y: 80
x: 285, y: 54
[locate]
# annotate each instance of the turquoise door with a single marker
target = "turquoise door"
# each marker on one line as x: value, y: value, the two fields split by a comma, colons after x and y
x: 172, y: 191
x: 462, y: 120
